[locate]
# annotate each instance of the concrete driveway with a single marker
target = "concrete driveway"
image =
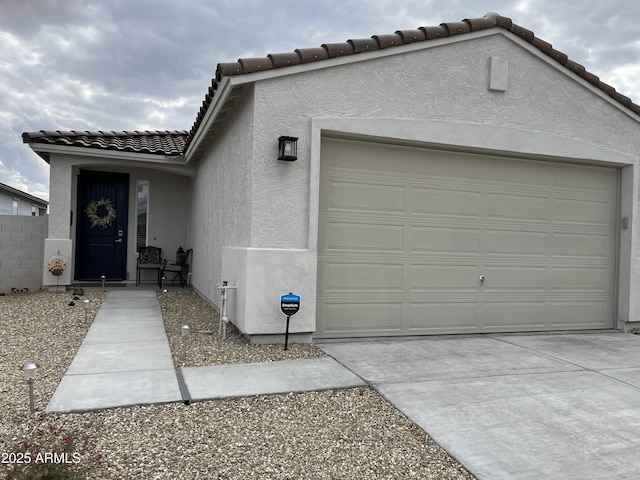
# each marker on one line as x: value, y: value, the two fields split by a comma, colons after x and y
x: 559, y: 406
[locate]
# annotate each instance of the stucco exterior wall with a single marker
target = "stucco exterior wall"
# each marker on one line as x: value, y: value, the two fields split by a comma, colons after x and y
x: 447, y: 83
x: 436, y: 96
x: 221, y: 199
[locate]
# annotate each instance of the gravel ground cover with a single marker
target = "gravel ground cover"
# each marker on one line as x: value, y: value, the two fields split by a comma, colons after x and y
x: 205, y: 346
x: 351, y: 433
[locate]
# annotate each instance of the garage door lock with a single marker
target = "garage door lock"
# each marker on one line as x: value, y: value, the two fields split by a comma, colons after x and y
x: 481, y: 279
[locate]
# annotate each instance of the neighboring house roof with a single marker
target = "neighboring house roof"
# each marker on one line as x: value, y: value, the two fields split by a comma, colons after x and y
x: 168, y: 143
x: 20, y: 193
x: 176, y: 142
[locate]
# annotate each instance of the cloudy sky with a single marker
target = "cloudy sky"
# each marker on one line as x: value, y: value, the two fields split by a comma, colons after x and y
x: 146, y: 64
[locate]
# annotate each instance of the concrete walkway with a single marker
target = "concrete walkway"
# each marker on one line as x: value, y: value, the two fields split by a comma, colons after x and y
x: 125, y: 360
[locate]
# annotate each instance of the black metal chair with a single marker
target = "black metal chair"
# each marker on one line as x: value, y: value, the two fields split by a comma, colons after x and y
x: 149, y: 258
x: 180, y: 267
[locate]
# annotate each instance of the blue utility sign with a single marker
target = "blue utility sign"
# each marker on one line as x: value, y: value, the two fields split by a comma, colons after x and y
x: 289, y: 304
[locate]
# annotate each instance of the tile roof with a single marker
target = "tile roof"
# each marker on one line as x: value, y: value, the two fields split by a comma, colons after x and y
x: 400, y: 37
x: 170, y: 143
x: 176, y: 142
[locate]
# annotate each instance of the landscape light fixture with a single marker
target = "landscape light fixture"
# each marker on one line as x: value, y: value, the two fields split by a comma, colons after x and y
x: 103, y: 278
x: 162, y: 282
x: 186, y: 330
x: 29, y: 371
x: 288, y: 148
x: 165, y: 295
x: 86, y: 303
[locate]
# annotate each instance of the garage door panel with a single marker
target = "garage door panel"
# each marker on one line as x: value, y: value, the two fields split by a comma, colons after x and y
x: 526, y: 315
x: 516, y: 278
x: 506, y: 171
x: 517, y: 207
x: 405, y: 233
x: 592, y: 179
x: 442, y: 277
x: 582, y: 211
x: 580, y: 314
x: 347, y: 318
x: 373, y: 198
x: 441, y: 167
x: 363, y: 277
x: 348, y: 157
x: 516, y: 242
x: 447, y: 202
x: 360, y: 236
x: 439, y: 239
x: 444, y: 316
x: 596, y: 279
x: 581, y: 244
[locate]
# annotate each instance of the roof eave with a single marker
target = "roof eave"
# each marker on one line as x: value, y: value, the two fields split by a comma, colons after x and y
x: 219, y: 101
x: 175, y: 163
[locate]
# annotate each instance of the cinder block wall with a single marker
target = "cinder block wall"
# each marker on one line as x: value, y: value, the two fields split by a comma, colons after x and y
x: 22, y: 252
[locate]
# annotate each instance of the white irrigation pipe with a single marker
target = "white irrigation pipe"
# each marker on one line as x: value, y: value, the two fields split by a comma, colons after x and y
x: 224, y: 319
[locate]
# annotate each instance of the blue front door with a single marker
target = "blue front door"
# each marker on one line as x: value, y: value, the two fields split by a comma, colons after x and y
x: 101, y: 226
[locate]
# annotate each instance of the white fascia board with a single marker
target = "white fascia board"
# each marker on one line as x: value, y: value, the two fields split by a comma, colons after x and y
x: 165, y: 162
x: 219, y: 99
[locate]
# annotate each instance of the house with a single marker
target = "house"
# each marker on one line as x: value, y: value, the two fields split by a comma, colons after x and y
x: 17, y: 202
x: 460, y: 178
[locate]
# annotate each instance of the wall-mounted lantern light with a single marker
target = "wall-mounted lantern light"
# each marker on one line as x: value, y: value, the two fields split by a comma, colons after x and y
x: 287, y: 148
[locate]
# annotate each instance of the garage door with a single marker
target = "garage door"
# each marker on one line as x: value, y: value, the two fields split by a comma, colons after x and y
x: 414, y: 241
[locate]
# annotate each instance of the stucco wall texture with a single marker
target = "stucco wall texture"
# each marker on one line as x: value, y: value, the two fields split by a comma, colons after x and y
x: 447, y: 83
x: 222, y: 199
x: 434, y: 95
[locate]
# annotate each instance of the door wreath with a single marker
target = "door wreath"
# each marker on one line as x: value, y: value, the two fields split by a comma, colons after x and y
x: 101, y: 213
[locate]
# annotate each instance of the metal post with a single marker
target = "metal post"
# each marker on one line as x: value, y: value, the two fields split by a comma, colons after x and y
x: 31, y: 403
x: 223, y: 314
x: 286, y: 335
